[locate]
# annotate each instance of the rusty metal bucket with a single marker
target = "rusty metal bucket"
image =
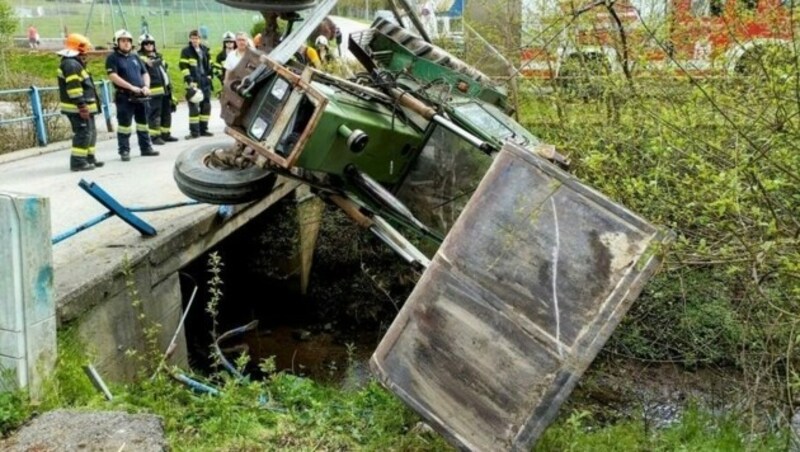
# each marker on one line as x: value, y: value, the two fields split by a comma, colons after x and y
x: 528, y: 285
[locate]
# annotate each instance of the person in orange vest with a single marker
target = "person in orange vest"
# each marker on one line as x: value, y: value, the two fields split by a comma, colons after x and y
x: 79, y: 103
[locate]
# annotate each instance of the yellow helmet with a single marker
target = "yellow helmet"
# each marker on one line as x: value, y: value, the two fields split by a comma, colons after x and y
x: 78, y: 43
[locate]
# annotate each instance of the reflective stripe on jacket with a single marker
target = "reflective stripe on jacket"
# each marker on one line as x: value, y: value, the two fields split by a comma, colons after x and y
x: 154, y: 63
x: 196, y: 67
x: 75, y: 86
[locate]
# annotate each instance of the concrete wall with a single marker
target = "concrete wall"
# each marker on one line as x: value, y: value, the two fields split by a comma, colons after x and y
x: 112, y: 286
x: 27, y: 307
x: 114, y: 328
x: 104, y: 294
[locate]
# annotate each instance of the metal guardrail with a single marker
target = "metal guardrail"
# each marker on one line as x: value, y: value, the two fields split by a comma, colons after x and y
x: 39, y: 114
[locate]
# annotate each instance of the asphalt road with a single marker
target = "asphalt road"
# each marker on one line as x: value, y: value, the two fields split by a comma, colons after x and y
x: 141, y: 182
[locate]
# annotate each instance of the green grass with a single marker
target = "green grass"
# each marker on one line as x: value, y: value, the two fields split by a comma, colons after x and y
x: 696, y: 431
x: 171, y: 30
x: 285, y: 412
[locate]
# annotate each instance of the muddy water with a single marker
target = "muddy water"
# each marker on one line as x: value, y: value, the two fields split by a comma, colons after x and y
x: 322, y: 355
x: 356, y: 288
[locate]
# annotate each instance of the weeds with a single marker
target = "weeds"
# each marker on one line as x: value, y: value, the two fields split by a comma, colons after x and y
x: 14, y: 403
x: 696, y: 430
x: 149, y: 358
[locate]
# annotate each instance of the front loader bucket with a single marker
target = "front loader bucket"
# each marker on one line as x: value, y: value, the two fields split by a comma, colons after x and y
x: 528, y: 285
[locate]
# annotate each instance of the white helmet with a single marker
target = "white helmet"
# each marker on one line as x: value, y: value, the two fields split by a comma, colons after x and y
x: 321, y: 41
x: 194, y: 95
x: 228, y: 37
x: 122, y: 34
x: 147, y: 37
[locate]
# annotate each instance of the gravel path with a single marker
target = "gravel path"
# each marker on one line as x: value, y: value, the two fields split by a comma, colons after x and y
x: 89, y: 431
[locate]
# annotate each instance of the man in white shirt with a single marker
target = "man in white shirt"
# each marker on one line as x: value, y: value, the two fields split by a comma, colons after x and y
x: 233, y: 58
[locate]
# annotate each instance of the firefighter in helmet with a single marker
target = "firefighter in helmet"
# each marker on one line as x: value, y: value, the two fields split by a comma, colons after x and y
x: 79, y: 102
x: 159, y: 117
x: 132, y: 85
x: 307, y: 55
x: 196, y: 69
x: 228, y: 46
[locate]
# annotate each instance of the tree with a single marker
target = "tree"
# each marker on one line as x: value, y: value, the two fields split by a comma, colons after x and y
x: 8, y: 26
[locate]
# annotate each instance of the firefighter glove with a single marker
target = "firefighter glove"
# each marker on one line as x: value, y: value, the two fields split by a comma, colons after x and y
x: 83, y: 111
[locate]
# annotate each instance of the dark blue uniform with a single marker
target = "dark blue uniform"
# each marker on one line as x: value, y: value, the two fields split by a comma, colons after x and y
x: 195, y: 66
x: 77, y: 89
x: 159, y: 117
x: 129, y: 106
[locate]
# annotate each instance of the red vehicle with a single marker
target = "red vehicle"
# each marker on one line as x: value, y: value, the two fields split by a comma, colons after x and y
x: 699, y: 36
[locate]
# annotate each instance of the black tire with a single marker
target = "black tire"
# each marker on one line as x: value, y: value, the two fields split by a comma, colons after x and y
x: 422, y: 49
x: 275, y: 6
x: 214, y: 185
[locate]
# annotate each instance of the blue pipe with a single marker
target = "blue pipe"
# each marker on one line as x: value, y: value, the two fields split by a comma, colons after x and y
x: 38, y: 116
x: 105, y: 99
x: 70, y: 232
x: 163, y: 207
x: 195, y: 385
x: 238, y: 330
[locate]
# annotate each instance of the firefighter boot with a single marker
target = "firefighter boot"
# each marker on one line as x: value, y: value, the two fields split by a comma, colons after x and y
x: 93, y: 160
x: 79, y: 164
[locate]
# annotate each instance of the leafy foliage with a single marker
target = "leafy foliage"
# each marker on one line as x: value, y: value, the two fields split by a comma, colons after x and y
x: 14, y: 409
x: 716, y: 160
x: 696, y: 430
x: 8, y: 23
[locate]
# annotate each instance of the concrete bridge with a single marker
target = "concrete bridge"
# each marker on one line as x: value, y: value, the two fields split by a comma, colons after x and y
x: 87, y: 280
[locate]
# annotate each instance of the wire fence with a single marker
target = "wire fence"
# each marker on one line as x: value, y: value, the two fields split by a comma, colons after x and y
x: 168, y: 20
x: 36, y: 113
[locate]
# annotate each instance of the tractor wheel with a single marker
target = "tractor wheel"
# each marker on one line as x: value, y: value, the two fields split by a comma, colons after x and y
x: 203, y: 176
x: 428, y: 51
x: 273, y: 6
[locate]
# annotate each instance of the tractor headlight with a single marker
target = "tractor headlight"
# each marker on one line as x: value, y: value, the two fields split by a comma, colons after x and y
x: 259, y: 128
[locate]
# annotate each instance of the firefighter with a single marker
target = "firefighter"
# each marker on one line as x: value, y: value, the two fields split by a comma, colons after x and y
x: 195, y: 66
x: 132, y: 85
x: 322, y: 47
x: 159, y: 117
x: 228, y: 46
x: 307, y: 55
x: 79, y: 103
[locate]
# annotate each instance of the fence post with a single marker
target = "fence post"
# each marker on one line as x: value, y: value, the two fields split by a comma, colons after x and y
x: 27, y: 302
x: 105, y: 94
x: 38, y: 116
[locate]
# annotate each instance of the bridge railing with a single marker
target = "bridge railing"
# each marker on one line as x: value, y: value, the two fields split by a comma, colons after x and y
x: 39, y: 113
